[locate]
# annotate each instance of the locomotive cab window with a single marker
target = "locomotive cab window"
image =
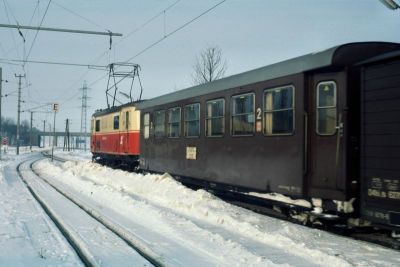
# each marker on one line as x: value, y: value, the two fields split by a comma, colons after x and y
x: 326, y: 108
x: 278, y: 111
x: 116, y: 122
x: 243, y: 114
x: 215, y: 118
x: 192, y: 120
x: 174, y: 122
x: 159, y: 123
x: 146, y: 126
x: 97, y: 125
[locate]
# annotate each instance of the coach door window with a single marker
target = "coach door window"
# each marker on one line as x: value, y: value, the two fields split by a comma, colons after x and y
x: 159, y: 123
x: 174, y: 122
x: 243, y: 114
x: 116, y: 122
x: 215, y: 118
x: 192, y: 120
x: 326, y: 108
x: 127, y: 120
x: 146, y: 124
x: 278, y: 111
x: 97, y: 125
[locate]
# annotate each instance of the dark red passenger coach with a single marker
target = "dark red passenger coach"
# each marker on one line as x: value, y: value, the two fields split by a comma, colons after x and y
x: 324, y: 126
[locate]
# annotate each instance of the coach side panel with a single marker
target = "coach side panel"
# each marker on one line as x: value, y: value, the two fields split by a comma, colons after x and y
x: 250, y: 154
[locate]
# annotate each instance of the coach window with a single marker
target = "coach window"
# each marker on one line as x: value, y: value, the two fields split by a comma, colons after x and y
x: 279, y: 111
x: 192, y: 120
x: 146, y: 124
x: 326, y: 108
x: 116, y: 122
x: 243, y: 114
x: 159, y: 123
x: 97, y: 125
x: 174, y: 122
x: 215, y: 118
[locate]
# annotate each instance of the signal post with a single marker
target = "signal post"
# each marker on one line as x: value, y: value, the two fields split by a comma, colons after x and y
x: 55, y: 110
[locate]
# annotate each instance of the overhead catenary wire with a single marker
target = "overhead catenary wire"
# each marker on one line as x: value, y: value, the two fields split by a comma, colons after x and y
x: 80, y: 16
x: 137, y: 29
x: 37, y: 32
x: 12, y: 33
x: 164, y: 37
x: 115, y: 44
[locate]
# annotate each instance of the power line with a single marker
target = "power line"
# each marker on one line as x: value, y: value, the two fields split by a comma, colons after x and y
x: 37, y: 32
x: 165, y: 37
x: 122, y: 39
x: 12, y: 33
x: 176, y: 30
x: 80, y: 16
x: 12, y: 13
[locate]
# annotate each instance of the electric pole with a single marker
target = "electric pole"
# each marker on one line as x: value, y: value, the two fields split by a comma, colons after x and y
x: 84, y: 107
x: 1, y: 83
x: 30, y: 134
x: 19, y: 107
x: 44, y: 132
x: 49, y: 134
x: 67, y: 137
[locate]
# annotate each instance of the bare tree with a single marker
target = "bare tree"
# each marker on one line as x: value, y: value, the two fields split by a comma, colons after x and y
x: 209, y: 66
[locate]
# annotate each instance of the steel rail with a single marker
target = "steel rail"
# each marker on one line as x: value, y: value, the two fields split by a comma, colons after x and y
x: 129, y: 239
x: 83, y: 255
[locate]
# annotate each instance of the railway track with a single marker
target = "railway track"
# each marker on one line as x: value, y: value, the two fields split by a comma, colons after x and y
x: 73, y: 217
x: 264, y: 247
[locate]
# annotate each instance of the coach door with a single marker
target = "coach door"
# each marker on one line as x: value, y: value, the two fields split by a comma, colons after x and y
x: 126, y: 131
x: 326, y: 127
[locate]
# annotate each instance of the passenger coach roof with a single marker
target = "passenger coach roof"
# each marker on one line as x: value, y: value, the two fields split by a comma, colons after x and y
x: 342, y: 55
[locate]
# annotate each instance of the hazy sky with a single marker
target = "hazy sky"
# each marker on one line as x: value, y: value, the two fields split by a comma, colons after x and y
x: 251, y: 33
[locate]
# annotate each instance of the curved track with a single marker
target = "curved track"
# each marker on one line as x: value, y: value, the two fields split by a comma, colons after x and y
x: 71, y: 228
x: 272, y: 252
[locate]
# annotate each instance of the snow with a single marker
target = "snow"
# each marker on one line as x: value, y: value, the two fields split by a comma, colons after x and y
x: 282, y: 198
x: 27, y: 236
x: 98, y: 243
x: 183, y: 226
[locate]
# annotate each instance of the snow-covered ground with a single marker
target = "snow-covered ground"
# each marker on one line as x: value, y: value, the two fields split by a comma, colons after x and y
x: 184, y: 227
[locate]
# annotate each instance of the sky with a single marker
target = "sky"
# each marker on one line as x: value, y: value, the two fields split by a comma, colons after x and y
x: 250, y: 33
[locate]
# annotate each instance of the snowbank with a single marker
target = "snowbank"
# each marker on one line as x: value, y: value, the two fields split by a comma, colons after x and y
x: 199, y: 206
